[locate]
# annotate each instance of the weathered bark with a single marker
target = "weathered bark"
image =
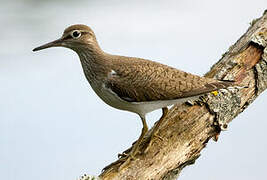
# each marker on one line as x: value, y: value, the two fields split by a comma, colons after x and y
x: 188, y: 127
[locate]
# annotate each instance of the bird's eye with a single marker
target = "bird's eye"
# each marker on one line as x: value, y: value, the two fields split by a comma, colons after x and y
x: 76, y: 34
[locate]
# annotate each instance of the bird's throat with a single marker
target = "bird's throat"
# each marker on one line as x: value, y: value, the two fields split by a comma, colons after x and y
x: 94, y: 64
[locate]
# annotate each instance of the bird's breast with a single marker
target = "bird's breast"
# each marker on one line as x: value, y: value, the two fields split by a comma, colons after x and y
x: 110, y: 97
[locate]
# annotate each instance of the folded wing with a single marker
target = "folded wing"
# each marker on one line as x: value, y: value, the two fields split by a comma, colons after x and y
x: 151, y: 81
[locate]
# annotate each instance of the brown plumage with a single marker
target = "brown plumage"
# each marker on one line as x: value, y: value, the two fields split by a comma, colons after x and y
x: 139, y: 80
x: 133, y: 84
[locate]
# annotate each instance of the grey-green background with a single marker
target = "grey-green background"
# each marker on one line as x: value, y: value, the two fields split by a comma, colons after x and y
x: 53, y: 126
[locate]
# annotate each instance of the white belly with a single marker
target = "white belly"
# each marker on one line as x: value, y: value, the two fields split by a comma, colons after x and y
x: 141, y: 108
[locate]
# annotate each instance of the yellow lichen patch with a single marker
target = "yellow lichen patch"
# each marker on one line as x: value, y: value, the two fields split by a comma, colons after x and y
x: 260, y: 37
x: 215, y: 93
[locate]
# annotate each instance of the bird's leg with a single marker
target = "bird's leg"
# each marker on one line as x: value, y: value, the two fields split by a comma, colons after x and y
x: 127, y: 158
x: 155, y: 129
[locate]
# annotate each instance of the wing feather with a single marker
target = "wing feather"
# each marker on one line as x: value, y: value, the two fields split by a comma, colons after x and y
x: 151, y: 81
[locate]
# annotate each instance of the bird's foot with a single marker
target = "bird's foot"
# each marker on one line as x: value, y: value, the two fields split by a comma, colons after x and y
x: 125, y: 153
x: 122, y: 162
x: 121, y: 155
x: 130, y: 154
x: 127, y: 156
x: 159, y: 137
x: 126, y: 160
x: 154, y: 133
x: 151, y: 139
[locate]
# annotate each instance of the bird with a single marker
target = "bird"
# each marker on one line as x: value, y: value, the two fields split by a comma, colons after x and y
x: 133, y: 84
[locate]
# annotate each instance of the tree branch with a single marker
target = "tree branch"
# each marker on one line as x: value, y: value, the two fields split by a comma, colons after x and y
x: 188, y: 127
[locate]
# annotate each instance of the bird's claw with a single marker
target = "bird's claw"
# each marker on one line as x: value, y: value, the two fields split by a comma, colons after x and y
x: 151, y: 139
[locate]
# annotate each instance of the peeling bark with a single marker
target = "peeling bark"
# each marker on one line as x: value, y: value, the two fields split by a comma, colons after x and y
x: 188, y: 127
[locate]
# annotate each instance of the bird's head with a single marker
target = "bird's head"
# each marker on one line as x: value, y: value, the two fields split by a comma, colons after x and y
x: 74, y: 37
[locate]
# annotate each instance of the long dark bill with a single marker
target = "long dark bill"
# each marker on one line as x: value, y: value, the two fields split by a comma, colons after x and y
x: 55, y: 43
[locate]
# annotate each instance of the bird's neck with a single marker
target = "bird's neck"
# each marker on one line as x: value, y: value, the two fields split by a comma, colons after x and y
x: 94, y: 62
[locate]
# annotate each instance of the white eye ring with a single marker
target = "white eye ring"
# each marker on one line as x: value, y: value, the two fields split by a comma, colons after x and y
x: 76, y: 34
